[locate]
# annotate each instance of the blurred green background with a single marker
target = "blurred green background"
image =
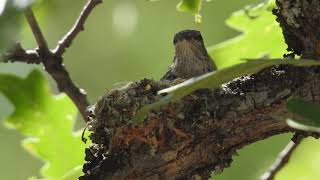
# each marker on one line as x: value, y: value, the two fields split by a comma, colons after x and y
x: 127, y: 40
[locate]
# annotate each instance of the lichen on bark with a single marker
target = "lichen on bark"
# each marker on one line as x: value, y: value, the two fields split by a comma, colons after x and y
x: 300, y: 23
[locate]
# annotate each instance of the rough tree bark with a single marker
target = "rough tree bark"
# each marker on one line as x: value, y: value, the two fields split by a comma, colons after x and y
x: 199, y: 134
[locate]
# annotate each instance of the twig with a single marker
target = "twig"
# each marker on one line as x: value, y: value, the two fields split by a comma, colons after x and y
x: 66, y: 85
x: 18, y: 54
x: 283, y: 157
x: 66, y: 41
x: 36, y: 30
x: 53, y: 65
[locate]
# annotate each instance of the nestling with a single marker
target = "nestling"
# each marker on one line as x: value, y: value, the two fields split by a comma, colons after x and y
x: 191, y: 57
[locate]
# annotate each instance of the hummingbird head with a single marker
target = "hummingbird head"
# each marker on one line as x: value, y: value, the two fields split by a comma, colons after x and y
x: 187, y: 35
x: 191, y: 57
x: 189, y: 43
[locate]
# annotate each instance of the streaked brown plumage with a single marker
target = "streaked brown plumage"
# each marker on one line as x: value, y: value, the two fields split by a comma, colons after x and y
x: 191, y: 57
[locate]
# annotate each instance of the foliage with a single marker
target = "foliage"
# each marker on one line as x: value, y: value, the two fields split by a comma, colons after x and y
x: 304, y: 163
x: 192, y: 6
x: 46, y: 120
x: 261, y: 36
x: 307, y: 115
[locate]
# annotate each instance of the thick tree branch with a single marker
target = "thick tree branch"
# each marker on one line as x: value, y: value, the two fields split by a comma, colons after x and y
x: 197, y: 135
x: 77, y: 28
x: 297, y: 18
x: 284, y: 157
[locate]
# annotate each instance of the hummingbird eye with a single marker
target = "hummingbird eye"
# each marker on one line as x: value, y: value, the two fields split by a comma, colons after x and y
x: 175, y: 41
x: 177, y: 38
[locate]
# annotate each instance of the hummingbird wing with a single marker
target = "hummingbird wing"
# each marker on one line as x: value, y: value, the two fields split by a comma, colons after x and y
x: 169, y: 74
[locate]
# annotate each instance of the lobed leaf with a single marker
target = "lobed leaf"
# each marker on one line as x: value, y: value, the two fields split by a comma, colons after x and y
x: 261, y: 36
x: 46, y: 120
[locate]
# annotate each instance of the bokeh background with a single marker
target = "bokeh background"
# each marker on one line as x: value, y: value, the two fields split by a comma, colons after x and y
x: 127, y: 40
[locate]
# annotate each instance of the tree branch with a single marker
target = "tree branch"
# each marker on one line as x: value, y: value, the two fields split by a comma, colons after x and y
x: 197, y: 135
x: 66, y: 41
x: 53, y: 65
x: 300, y: 44
x: 284, y: 157
x: 52, y: 60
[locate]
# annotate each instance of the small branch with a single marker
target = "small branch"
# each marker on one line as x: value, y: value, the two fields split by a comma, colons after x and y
x: 54, y: 66
x: 18, y: 54
x: 36, y: 30
x: 52, y: 60
x: 66, y: 41
x: 66, y: 85
x: 284, y: 157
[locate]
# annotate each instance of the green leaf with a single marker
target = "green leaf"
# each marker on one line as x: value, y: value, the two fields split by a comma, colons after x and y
x: 46, y: 120
x: 306, y: 115
x: 215, y: 80
x: 304, y: 162
x: 75, y: 173
x: 191, y: 6
x: 261, y: 35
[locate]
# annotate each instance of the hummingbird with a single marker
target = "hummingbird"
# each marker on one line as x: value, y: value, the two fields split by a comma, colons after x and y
x: 191, y: 58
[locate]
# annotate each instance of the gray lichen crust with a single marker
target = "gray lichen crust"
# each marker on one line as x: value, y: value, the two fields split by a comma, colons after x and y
x: 291, y: 11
